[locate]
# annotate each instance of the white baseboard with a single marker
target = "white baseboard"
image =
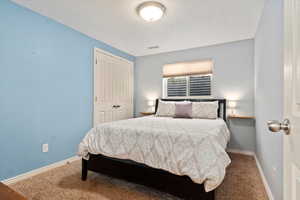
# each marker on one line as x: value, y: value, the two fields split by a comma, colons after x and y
x: 244, y: 152
x: 39, y: 170
x: 265, y: 182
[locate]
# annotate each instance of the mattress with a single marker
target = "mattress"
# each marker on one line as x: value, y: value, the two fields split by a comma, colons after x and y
x: 192, y: 147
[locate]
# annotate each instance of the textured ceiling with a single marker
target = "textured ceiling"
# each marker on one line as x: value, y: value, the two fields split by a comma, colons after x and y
x: 187, y: 23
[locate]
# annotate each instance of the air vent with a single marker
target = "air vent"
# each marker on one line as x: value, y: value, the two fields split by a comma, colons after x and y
x: 153, y: 47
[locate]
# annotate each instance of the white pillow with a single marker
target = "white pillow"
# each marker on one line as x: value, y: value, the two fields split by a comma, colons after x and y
x: 165, y: 109
x: 205, y: 110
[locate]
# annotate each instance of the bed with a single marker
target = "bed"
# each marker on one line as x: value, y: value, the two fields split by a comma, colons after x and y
x: 184, y: 157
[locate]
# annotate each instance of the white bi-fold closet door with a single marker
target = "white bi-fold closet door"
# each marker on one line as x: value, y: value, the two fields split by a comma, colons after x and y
x: 113, y: 88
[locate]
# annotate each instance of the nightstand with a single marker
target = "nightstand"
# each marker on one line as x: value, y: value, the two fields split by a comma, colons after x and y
x: 240, y: 117
x: 147, y: 113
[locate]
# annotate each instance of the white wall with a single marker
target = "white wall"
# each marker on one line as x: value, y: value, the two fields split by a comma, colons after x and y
x: 233, y: 77
x: 269, y: 92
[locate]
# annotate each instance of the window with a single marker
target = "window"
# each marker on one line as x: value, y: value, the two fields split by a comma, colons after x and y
x: 200, y: 85
x: 187, y: 79
x: 177, y: 87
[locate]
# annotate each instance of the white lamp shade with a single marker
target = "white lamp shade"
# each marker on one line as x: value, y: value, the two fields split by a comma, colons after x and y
x: 232, y: 104
x: 150, y: 103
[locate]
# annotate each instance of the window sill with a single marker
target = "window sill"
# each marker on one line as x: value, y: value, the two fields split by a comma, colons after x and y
x: 190, y: 97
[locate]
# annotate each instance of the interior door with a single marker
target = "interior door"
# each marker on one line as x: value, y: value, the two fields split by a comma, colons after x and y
x: 103, y: 80
x: 113, y: 88
x: 123, y: 90
x: 292, y: 100
x: 291, y: 125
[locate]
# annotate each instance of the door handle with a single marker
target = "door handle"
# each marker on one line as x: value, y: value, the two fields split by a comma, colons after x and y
x: 116, y: 106
x: 276, y: 126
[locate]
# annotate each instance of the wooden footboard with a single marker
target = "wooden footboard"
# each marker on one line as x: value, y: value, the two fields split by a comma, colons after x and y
x: 181, y: 186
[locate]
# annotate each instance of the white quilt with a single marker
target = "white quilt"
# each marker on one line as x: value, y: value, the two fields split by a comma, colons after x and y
x: 192, y: 147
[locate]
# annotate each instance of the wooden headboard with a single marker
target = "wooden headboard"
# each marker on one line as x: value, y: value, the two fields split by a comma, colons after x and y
x: 221, y: 102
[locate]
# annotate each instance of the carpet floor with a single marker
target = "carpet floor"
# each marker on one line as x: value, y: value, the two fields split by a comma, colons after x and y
x: 242, y: 182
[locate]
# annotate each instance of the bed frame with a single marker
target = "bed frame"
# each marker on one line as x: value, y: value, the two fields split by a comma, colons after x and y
x: 181, y: 186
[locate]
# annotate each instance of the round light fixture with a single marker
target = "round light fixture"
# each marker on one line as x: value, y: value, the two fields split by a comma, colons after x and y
x: 151, y: 11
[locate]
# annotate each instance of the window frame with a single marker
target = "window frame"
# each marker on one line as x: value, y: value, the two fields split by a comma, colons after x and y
x: 165, y: 88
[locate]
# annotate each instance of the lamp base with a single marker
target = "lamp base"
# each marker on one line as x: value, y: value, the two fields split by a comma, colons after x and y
x: 232, y: 112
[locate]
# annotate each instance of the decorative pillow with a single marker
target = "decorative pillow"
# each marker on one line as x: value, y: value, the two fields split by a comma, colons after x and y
x: 165, y: 109
x: 205, y: 110
x: 183, y: 109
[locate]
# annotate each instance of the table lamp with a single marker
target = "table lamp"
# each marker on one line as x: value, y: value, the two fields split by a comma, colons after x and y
x: 151, y: 104
x: 232, y: 106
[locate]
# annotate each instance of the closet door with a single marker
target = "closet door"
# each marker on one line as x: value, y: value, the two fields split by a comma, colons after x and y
x: 122, y: 90
x: 113, y: 88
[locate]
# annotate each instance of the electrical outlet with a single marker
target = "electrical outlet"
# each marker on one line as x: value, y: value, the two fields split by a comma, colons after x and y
x: 45, y: 148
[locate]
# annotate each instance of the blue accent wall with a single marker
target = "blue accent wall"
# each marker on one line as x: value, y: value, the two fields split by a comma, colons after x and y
x: 46, y: 89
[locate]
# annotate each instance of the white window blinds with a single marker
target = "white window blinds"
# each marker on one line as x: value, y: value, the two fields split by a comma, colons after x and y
x: 177, y: 87
x: 200, y: 85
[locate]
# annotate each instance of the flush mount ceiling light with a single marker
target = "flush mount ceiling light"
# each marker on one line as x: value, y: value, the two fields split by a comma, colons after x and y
x: 151, y: 11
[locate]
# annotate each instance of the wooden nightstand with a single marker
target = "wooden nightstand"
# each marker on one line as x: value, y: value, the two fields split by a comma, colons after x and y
x: 240, y: 117
x: 147, y: 113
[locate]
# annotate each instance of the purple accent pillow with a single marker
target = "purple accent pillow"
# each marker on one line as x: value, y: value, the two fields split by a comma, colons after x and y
x: 183, y: 110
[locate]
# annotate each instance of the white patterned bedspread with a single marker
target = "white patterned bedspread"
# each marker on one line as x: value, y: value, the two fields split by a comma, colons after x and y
x: 192, y: 147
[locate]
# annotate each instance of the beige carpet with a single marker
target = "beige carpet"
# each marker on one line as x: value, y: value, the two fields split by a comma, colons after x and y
x: 242, y: 182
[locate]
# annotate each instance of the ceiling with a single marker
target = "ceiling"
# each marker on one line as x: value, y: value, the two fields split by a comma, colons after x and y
x: 187, y: 23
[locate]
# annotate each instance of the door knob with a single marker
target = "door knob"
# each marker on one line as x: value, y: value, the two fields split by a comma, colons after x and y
x: 276, y: 126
